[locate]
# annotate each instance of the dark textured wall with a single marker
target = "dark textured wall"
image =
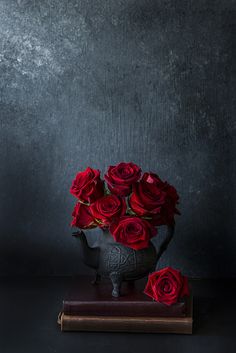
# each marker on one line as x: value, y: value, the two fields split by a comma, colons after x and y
x: 98, y: 82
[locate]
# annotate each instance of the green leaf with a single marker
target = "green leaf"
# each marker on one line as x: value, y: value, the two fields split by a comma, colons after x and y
x: 84, y: 203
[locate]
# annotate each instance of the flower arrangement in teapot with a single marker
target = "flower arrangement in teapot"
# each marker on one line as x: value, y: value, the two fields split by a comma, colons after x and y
x: 128, y: 203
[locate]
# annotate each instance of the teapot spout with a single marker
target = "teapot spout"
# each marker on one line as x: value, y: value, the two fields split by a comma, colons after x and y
x: 90, y: 256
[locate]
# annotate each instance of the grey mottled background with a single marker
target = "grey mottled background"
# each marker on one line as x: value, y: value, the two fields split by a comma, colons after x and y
x: 98, y: 82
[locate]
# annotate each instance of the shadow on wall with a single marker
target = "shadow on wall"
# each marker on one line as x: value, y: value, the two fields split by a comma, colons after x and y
x: 35, y: 236
x: 24, y: 203
x: 26, y: 198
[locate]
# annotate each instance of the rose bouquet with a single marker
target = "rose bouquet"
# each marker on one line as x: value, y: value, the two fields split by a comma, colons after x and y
x: 129, y: 204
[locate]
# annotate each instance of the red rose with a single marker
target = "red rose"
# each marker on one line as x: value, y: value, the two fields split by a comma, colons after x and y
x: 108, y: 208
x: 87, y: 186
x: 154, y: 198
x: 133, y: 232
x: 82, y: 217
x: 167, y: 286
x: 121, y: 177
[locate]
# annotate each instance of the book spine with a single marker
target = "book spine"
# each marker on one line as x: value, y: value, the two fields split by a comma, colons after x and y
x: 111, y: 309
x: 125, y: 324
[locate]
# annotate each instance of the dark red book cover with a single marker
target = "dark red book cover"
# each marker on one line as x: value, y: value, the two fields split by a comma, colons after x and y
x: 86, y: 299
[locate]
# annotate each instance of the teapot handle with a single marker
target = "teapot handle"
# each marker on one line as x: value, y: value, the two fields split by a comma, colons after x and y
x: 169, y: 235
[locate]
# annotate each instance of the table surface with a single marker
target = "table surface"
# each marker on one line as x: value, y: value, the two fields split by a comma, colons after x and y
x: 29, y: 308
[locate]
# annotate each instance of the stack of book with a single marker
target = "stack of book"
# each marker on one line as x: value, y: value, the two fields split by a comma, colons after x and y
x: 90, y: 307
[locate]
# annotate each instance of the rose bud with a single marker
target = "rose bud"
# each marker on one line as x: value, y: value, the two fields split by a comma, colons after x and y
x: 151, y: 197
x: 121, y: 177
x: 167, y: 286
x: 82, y: 217
x: 133, y: 232
x: 107, y: 209
x: 87, y: 186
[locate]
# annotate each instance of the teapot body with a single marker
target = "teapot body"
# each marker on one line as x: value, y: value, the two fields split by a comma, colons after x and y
x: 125, y: 262
x: 121, y: 263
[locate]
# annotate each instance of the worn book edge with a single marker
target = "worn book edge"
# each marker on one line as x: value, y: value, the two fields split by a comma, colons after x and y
x: 179, y: 325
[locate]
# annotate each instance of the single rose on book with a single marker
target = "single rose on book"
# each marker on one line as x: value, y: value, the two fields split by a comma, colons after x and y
x: 167, y: 286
